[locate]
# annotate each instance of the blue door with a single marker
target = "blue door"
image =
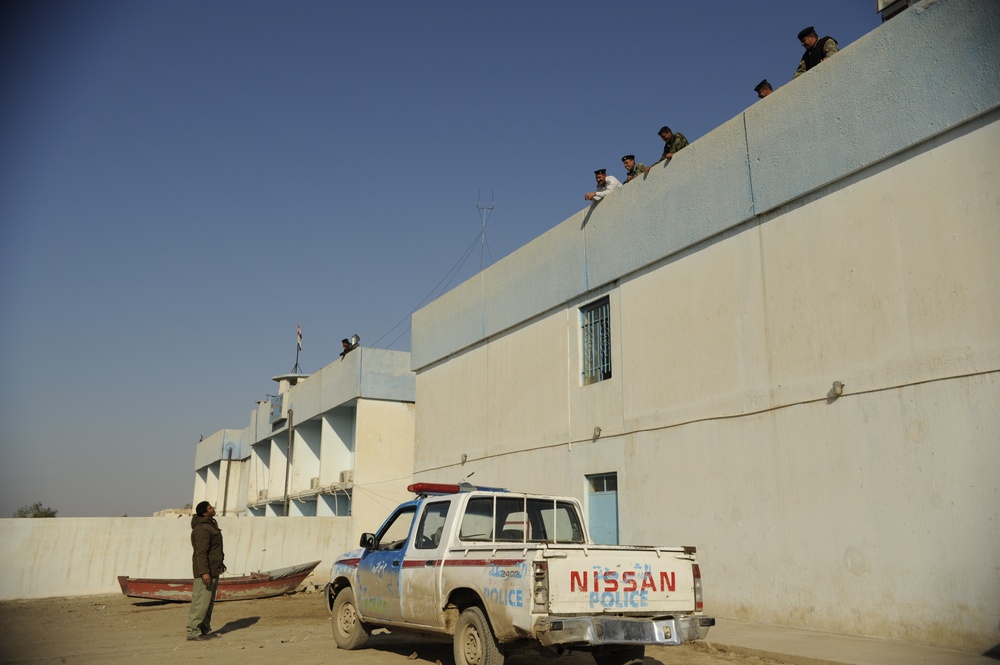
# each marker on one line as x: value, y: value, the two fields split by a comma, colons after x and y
x: 379, y: 569
x: 602, y: 506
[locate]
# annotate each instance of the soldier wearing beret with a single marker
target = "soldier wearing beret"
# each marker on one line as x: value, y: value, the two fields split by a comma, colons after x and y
x: 763, y: 89
x: 631, y: 168
x: 605, y: 185
x: 817, y: 50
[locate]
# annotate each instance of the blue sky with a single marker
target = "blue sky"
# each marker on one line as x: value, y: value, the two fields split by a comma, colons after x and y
x: 183, y: 182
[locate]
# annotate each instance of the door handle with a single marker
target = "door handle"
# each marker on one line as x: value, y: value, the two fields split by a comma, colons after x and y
x: 395, y: 564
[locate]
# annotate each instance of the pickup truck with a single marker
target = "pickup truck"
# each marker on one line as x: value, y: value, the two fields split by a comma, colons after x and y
x: 497, y: 572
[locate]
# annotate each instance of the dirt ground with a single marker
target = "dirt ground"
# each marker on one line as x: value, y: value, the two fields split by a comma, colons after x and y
x: 289, y: 629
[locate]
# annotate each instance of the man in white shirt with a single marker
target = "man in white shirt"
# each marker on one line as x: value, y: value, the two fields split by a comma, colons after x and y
x: 605, y: 185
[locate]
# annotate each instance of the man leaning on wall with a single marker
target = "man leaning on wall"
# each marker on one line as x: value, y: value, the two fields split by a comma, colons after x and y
x: 605, y: 185
x: 817, y: 50
x: 671, y: 144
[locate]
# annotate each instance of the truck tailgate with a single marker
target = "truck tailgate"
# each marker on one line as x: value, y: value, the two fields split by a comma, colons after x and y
x: 621, y: 581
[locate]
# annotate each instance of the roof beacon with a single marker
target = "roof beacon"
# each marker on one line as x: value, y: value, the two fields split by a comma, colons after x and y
x: 428, y: 489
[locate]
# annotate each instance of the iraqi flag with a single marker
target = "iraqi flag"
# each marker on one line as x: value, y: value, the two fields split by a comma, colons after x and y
x: 298, y: 329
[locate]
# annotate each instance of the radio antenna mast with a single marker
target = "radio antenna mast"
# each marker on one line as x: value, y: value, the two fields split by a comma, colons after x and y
x: 484, y: 213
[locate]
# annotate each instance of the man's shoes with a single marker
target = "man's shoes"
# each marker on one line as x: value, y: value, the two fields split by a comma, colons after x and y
x: 199, y: 638
x: 211, y: 636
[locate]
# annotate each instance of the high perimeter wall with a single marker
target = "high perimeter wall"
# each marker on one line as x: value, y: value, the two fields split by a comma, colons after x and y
x: 76, y: 556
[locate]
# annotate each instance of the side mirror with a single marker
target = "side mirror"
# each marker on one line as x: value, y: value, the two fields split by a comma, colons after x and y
x: 367, y: 541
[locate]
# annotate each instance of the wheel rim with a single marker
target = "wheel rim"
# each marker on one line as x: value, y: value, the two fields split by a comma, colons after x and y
x: 472, y: 646
x: 347, y: 619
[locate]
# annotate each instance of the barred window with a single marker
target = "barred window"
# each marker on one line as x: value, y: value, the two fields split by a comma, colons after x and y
x: 595, y: 322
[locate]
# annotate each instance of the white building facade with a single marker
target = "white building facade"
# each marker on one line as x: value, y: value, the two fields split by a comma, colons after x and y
x: 337, y: 443
x: 783, y: 348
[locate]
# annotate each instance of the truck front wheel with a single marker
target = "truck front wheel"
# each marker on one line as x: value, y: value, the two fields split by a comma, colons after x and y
x: 349, y: 631
x: 626, y: 656
x: 475, y: 643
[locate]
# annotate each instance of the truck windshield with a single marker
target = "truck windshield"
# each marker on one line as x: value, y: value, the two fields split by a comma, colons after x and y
x: 510, y: 519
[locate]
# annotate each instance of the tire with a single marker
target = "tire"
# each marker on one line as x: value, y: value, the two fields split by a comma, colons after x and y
x: 625, y: 656
x: 475, y: 643
x: 349, y: 631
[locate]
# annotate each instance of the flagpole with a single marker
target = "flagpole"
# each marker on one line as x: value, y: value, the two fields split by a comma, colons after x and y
x: 298, y: 349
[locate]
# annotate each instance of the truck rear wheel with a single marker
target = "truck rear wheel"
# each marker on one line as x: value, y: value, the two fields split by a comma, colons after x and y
x: 626, y: 656
x: 475, y: 643
x: 349, y: 631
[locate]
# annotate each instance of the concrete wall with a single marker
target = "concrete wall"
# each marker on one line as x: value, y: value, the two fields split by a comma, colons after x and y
x: 843, y: 229
x: 81, y: 556
x: 383, y: 462
x: 220, y: 462
x: 364, y: 372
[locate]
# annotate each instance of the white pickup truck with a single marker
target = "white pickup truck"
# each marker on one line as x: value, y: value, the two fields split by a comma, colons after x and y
x: 497, y: 572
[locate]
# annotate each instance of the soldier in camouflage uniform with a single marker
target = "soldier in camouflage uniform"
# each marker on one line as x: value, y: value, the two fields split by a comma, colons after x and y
x: 671, y: 144
x: 631, y: 168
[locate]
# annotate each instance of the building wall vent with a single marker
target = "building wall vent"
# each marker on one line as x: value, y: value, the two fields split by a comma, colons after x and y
x: 347, y: 476
x: 314, y: 483
x: 262, y: 495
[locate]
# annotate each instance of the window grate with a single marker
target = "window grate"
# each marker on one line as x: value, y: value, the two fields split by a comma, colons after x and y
x: 595, y: 321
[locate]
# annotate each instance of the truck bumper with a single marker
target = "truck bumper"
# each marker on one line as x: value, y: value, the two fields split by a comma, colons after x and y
x: 555, y: 631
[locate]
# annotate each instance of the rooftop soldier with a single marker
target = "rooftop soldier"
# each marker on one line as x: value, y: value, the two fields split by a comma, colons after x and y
x: 763, y: 89
x: 631, y: 168
x: 605, y: 185
x: 671, y: 144
x: 817, y: 50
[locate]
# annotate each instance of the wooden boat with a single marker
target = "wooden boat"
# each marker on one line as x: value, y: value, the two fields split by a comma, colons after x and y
x: 244, y: 587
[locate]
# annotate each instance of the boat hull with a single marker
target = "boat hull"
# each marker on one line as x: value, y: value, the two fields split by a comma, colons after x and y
x: 245, y: 587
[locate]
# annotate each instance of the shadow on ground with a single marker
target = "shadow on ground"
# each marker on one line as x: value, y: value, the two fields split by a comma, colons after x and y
x: 239, y: 624
x: 420, y: 651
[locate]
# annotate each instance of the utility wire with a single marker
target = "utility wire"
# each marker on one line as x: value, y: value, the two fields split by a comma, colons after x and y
x: 446, y: 280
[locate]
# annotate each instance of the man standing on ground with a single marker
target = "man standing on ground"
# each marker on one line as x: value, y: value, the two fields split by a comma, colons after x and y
x: 631, y: 168
x: 671, y: 144
x: 763, y: 89
x: 206, y: 541
x: 605, y: 185
x: 817, y: 50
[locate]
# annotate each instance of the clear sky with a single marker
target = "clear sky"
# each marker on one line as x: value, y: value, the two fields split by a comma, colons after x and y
x: 182, y: 182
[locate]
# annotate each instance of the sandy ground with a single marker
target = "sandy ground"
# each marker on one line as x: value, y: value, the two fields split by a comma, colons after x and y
x: 289, y: 629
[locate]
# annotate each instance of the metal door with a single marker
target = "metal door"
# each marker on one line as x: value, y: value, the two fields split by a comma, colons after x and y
x: 602, y: 508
